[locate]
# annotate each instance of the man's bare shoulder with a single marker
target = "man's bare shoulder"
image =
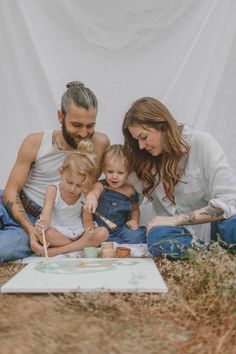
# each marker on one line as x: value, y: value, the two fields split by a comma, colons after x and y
x: 31, y: 143
x: 101, y: 139
x: 33, y: 138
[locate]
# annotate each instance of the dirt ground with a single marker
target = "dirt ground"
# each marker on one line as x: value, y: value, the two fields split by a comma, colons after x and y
x: 197, y: 315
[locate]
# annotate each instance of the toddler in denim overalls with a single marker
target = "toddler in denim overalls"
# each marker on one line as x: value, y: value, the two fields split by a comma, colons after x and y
x: 116, y: 200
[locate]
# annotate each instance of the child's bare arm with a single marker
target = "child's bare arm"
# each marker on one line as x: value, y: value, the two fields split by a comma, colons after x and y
x: 45, y: 217
x: 92, y: 197
x: 87, y: 218
x: 134, y: 217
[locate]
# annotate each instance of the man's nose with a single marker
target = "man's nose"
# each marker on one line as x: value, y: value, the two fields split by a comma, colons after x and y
x: 83, y: 133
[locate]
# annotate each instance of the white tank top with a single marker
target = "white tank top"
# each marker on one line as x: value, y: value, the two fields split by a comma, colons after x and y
x: 45, y: 169
x: 67, y: 218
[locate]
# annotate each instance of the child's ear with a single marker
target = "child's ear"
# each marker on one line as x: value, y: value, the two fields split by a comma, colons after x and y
x: 60, y: 171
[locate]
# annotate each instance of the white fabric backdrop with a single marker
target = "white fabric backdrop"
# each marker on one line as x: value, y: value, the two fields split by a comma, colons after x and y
x: 180, y: 51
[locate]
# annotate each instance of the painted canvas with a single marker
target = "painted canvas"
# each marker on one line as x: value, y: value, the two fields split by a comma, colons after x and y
x: 85, y: 275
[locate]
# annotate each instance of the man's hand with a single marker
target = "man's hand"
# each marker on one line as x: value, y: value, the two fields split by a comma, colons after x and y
x: 162, y: 221
x: 132, y: 224
x: 35, y: 244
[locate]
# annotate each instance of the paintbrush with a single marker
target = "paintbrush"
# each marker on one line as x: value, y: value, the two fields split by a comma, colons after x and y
x: 45, y: 245
x: 109, y: 223
x: 44, y: 242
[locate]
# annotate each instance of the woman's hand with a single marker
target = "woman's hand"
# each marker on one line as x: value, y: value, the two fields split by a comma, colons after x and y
x: 162, y: 221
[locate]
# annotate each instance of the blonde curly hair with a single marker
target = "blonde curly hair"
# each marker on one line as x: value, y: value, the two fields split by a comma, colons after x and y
x: 83, y: 162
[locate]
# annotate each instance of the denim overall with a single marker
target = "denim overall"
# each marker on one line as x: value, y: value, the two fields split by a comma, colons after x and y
x: 116, y: 207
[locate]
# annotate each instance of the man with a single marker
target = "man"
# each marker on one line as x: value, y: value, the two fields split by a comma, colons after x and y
x: 39, y: 158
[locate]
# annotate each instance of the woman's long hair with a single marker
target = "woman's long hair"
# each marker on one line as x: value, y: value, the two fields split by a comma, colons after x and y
x: 165, y: 168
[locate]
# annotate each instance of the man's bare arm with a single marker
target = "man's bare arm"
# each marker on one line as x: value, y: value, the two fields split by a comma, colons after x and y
x: 17, y: 212
x: 18, y: 177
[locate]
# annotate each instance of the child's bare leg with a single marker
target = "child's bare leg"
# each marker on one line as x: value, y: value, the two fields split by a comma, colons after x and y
x: 55, y: 238
x: 89, y: 238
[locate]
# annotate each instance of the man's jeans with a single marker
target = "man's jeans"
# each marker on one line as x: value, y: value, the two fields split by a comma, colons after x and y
x: 14, y: 241
x: 176, y: 242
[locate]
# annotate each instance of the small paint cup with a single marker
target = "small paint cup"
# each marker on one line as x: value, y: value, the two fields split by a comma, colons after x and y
x: 107, y: 245
x: 123, y: 252
x: 90, y: 252
x: 108, y: 253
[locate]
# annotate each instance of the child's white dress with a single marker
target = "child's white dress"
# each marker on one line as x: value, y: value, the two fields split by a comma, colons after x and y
x: 67, y: 218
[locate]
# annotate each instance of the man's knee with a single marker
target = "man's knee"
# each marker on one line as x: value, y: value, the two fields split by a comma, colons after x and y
x: 14, y: 244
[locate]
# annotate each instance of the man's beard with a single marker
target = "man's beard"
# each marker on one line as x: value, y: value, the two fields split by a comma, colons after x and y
x: 69, y: 138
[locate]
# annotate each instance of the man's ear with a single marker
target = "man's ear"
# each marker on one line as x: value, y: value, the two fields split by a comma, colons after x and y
x: 60, y: 116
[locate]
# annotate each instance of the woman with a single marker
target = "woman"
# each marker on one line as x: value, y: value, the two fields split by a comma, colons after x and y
x: 186, y: 176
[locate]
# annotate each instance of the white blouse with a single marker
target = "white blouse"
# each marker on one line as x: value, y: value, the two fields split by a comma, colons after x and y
x: 208, y: 178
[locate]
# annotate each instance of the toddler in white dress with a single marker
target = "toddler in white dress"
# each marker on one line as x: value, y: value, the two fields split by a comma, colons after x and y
x: 63, y: 218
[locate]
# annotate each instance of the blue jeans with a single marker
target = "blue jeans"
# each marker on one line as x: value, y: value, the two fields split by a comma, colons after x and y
x: 122, y: 234
x: 176, y: 242
x: 14, y: 241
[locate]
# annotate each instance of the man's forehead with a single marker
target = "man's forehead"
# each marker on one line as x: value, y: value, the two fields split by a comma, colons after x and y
x: 82, y: 116
x: 85, y: 123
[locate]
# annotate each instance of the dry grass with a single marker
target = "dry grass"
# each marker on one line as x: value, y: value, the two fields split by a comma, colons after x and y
x: 198, y: 315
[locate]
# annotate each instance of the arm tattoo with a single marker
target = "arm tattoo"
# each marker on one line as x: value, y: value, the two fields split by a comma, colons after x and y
x: 9, y: 205
x: 19, y: 204
x: 190, y: 218
x: 212, y: 211
x: 22, y: 217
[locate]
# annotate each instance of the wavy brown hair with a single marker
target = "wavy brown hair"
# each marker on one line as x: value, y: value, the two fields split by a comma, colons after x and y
x: 165, y: 168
